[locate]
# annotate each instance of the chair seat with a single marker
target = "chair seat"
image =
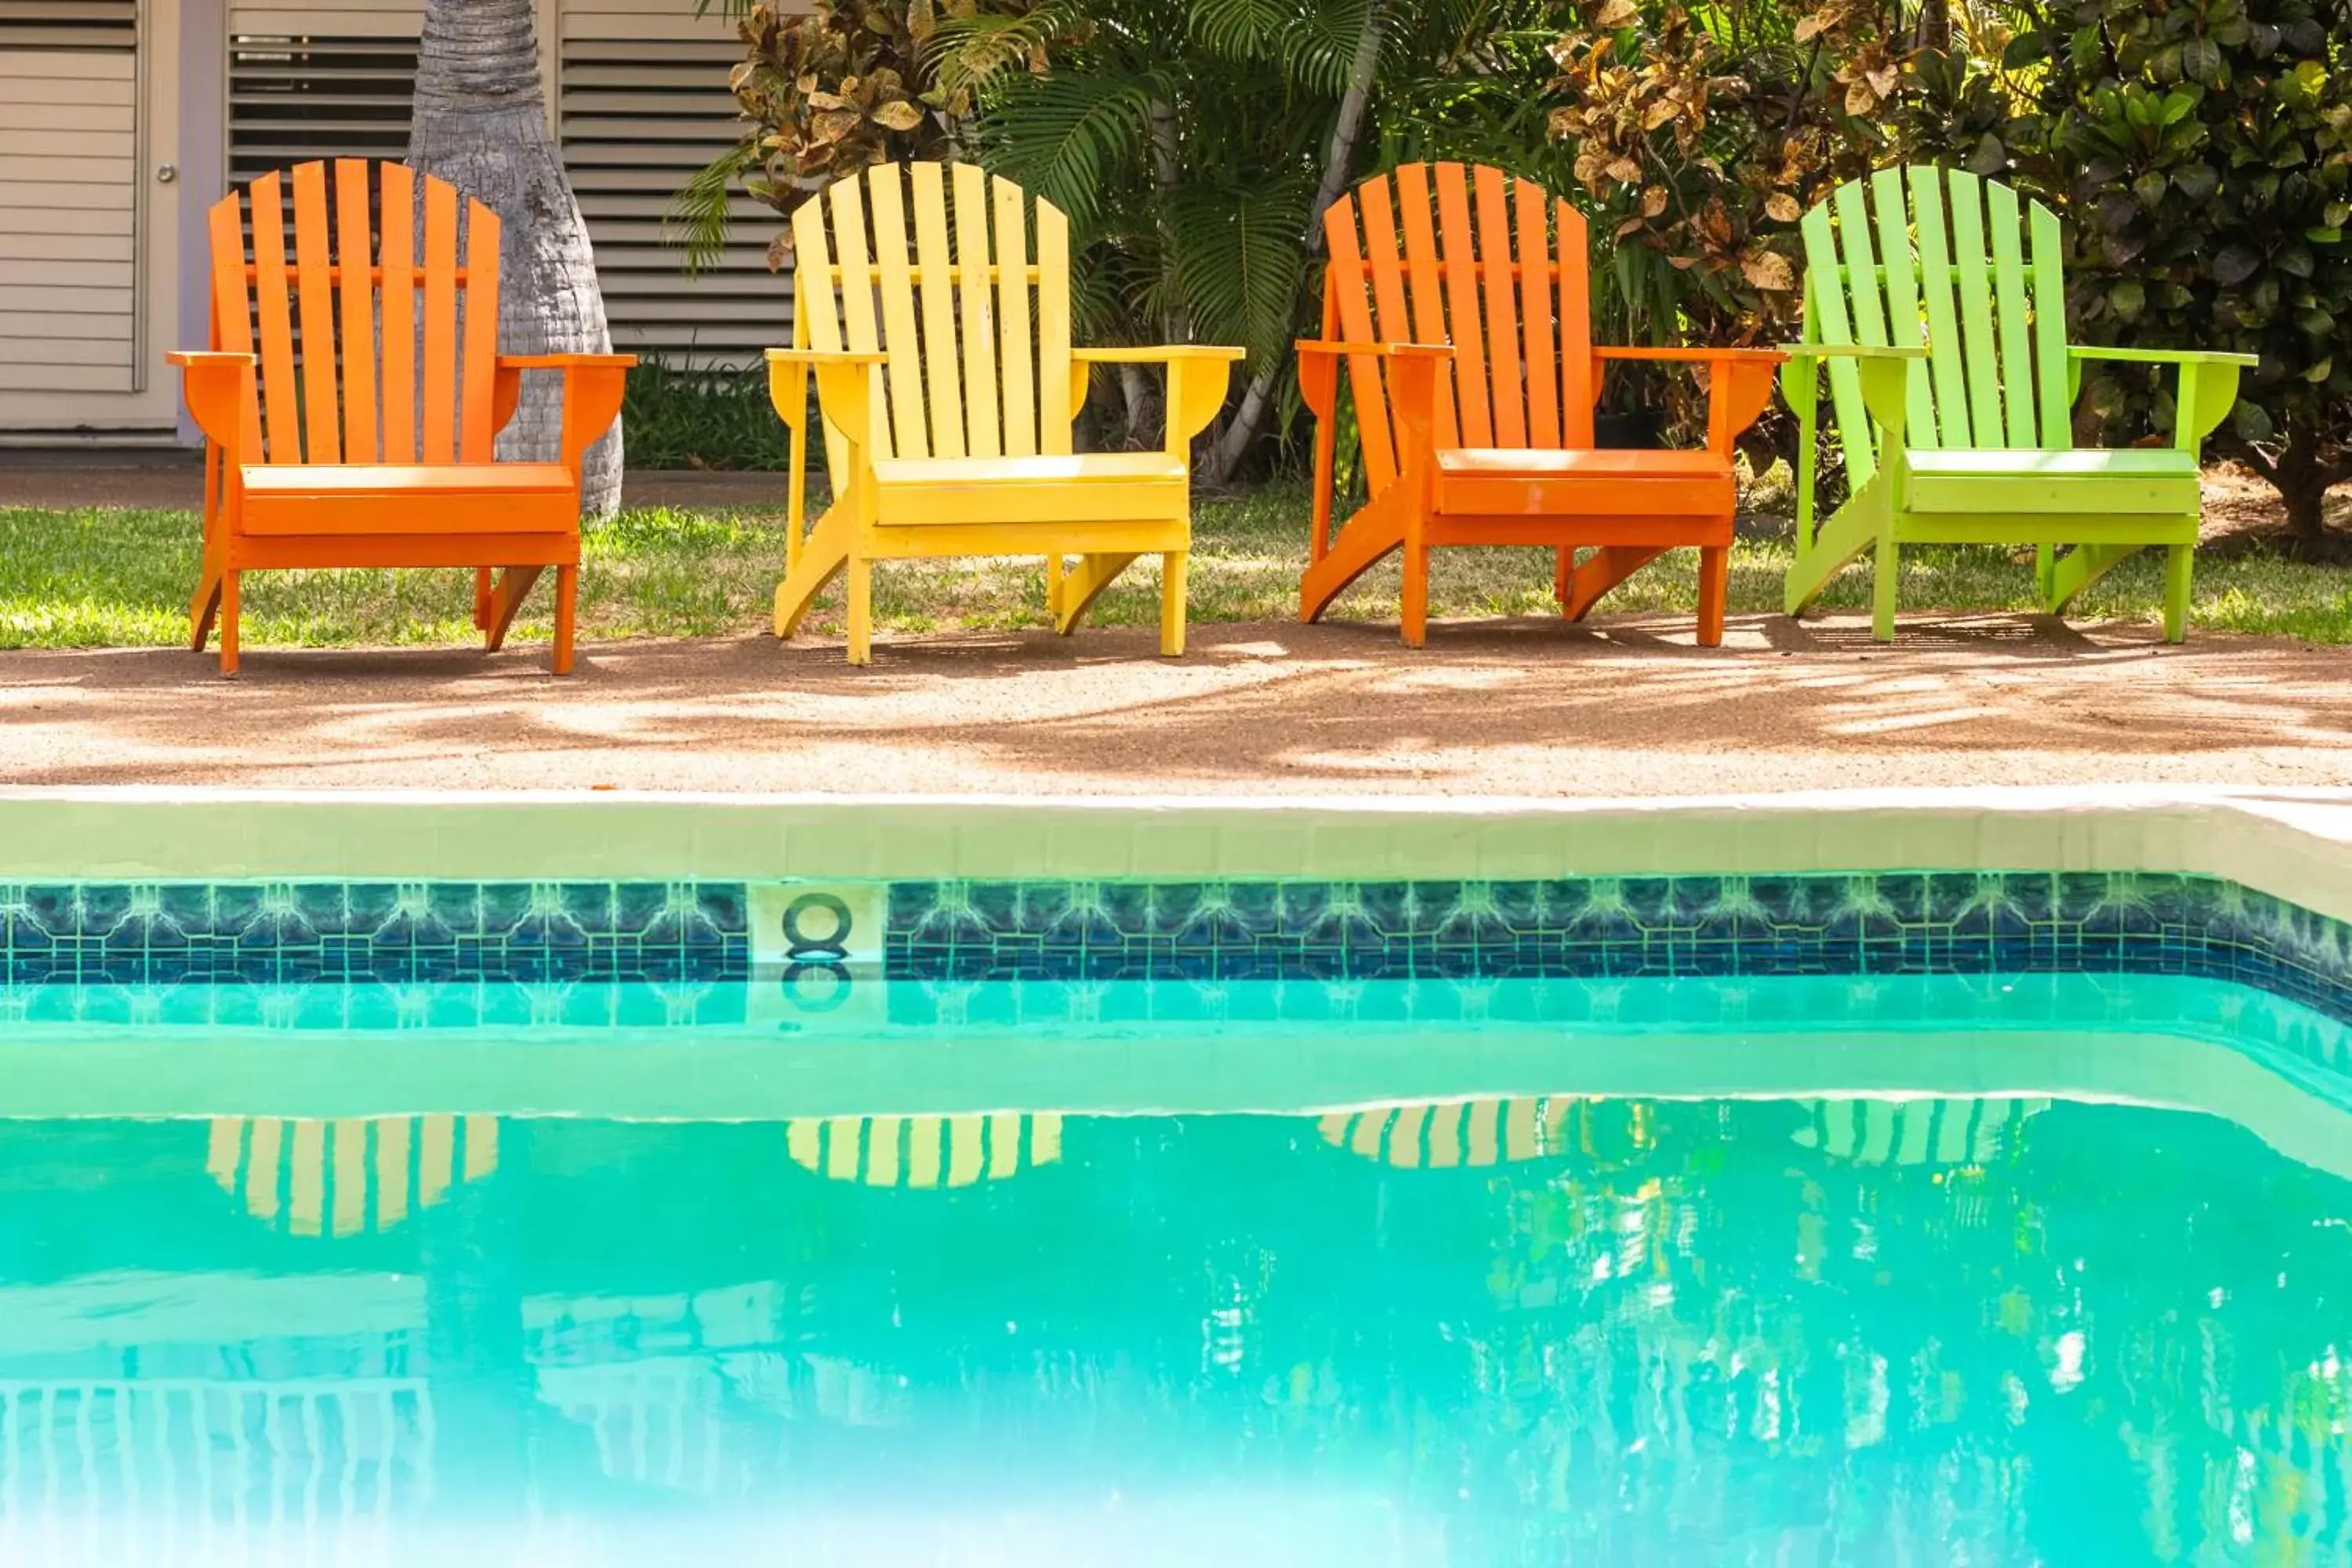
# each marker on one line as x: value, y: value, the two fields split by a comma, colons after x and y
x: 394, y: 498
x: 1614, y: 481
x: 1091, y: 487
x: 2031, y: 479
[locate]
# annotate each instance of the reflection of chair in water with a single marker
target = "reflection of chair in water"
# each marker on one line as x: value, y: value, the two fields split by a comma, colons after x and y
x: 352, y: 1174
x: 197, y: 1469
x: 924, y: 1150
x: 1944, y: 1131
x: 1489, y: 1132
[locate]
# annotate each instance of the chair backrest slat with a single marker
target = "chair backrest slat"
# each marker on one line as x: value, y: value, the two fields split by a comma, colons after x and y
x: 1975, y: 272
x: 1053, y: 411
x: 439, y: 419
x: 281, y: 403
x: 1348, y: 307
x: 1969, y: 270
x: 1577, y: 391
x: 1013, y: 317
x: 1425, y: 275
x: 2054, y: 377
x: 1510, y: 403
x: 977, y: 292
x: 935, y: 267
x: 232, y: 305
x: 1946, y: 364
x: 356, y: 261
x: 1466, y: 332
x: 314, y: 299
x: 1538, y: 316
x: 885, y: 207
x: 2003, y: 230
x: 1827, y: 321
x: 477, y: 376
x: 1904, y: 322
x: 396, y: 188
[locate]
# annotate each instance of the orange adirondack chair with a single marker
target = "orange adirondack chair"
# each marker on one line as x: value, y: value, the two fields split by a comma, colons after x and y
x: 1470, y: 359
x: 391, y: 462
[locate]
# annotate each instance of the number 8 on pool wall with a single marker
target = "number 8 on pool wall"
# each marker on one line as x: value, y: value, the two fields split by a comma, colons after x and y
x: 811, y: 942
x: 815, y: 922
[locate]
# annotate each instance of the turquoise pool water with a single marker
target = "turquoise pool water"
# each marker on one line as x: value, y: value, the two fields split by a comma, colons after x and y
x: 2030, y: 1271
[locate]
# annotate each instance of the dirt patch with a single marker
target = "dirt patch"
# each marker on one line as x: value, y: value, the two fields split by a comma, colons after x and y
x: 1623, y: 706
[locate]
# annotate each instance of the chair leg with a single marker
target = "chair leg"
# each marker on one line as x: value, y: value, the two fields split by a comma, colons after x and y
x: 514, y: 585
x: 203, y: 610
x: 1882, y: 588
x: 1054, y: 568
x: 1171, y: 603
x: 861, y: 610
x: 567, y: 607
x: 481, y: 598
x: 1563, y: 577
x: 2177, y: 561
x: 1714, y: 587
x: 228, y: 621
x: 1416, y: 592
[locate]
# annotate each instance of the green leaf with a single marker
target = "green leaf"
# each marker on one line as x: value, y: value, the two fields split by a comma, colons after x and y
x: 2200, y: 61
x: 2233, y: 264
x: 2128, y: 298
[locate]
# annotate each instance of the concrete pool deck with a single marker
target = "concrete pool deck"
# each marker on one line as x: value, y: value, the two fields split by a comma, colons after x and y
x: 1624, y: 709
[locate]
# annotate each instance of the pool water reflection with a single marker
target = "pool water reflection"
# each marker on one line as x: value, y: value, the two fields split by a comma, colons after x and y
x: 1508, y: 1329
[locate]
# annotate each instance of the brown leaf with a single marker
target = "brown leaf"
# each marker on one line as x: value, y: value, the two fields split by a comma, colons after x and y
x: 1783, y: 207
x: 1616, y: 14
x: 897, y: 115
x: 1770, y: 271
x: 1654, y: 201
x: 1624, y: 171
x: 1809, y: 27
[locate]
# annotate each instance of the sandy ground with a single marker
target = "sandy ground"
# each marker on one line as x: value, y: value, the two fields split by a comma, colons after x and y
x: 1623, y: 708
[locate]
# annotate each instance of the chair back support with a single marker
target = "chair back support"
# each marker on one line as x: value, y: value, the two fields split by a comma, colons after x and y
x: 1448, y: 253
x: 1943, y: 259
x: 388, y: 304
x: 963, y: 280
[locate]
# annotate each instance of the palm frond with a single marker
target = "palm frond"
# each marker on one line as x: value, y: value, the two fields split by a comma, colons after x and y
x: 699, y: 217
x: 1068, y: 138
x: 1238, y: 262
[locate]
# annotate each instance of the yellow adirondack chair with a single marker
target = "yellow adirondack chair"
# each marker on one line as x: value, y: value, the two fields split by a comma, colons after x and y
x: 947, y: 385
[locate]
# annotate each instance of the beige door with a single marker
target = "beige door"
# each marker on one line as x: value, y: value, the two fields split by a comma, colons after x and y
x: 88, y: 233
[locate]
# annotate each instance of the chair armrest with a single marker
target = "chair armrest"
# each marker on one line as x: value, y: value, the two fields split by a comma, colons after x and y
x: 2167, y: 356
x: 1318, y: 365
x: 844, y: 388
x: 1850, y: 351
x: 217, y: 387
x: 1695, y: 355
x: 593, y: 388
x: 566, y: 362
x: 1885, y: 374
x: 2208, y: 389
x: 1157, y: 354
x: 818, y: 357
x: 1332, y: 348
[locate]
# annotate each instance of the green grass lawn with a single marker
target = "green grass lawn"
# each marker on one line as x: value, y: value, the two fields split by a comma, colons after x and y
x: 111, y: 578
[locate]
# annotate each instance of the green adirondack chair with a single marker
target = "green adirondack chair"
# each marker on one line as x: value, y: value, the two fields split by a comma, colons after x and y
x: 1952, y: 383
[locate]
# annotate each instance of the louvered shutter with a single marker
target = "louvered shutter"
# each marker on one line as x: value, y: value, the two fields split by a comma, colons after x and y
x: 644, y: 105
x: 69, y: 167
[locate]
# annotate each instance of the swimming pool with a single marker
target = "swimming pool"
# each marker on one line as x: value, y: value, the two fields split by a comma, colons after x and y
x: 1994, y: 1268
x: 833, y: 1184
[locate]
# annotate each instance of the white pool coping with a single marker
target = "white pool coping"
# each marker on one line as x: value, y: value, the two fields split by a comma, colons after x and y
x: 2295, y: 845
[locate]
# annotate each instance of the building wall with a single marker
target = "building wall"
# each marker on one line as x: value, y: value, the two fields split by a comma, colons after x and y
x: 221, y: 91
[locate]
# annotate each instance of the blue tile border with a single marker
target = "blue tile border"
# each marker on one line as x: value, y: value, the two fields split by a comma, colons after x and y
x: 1882, y: 923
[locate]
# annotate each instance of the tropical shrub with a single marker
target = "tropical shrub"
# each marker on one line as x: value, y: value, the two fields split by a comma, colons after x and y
x: 2202, y: 151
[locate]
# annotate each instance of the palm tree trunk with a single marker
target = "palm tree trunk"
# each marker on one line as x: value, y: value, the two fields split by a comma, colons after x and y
x: 1339, y: 162
x: 479, y: 121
